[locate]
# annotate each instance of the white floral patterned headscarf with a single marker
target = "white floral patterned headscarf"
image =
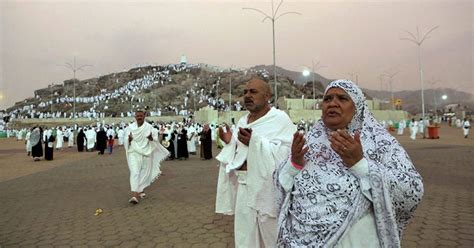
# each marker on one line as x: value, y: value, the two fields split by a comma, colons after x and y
x: 357, y: 97
x: 326, y: 199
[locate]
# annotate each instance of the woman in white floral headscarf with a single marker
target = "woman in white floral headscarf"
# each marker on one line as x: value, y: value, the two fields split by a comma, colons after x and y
x: 347, y: 182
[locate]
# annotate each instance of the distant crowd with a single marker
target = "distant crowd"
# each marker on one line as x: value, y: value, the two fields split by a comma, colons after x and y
x: 180, y: 138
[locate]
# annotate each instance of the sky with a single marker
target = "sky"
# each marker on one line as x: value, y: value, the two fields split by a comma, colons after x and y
x: 349, y: 38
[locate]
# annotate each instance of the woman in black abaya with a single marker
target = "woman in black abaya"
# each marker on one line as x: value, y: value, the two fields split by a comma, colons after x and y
x: 49, y: 147
x: 36, y: 144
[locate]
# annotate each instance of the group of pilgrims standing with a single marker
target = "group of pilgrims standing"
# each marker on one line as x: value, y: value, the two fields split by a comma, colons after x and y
x: 179, y: 138
x: 54, y: 138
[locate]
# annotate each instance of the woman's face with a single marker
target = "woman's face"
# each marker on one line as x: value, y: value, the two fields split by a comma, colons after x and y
x: 338, y: 109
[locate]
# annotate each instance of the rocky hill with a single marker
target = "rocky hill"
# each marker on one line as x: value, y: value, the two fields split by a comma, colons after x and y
x: 163, y: 87
x: 411, y: 100
x: 168, y: 87
x: 297, y: 77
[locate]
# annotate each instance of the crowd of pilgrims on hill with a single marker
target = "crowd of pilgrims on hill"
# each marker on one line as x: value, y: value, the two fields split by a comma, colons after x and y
x: 129, y: 94
x: 180, y: 138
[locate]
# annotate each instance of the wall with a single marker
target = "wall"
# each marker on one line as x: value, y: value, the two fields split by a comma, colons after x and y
x: 300, y: 104
x: 291, y: 104
x: 205, y: 115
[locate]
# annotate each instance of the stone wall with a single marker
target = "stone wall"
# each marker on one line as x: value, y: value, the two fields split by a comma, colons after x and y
x: 205, y: 115
x: 301, y: 104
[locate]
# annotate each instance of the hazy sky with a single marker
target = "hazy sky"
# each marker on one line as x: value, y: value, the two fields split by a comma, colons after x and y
x: 361, y: 37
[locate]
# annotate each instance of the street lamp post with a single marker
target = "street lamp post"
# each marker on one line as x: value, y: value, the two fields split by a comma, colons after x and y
x: 194, y: 94
x: 444, y: 98
x: 52, y: 100
x: 230, y: 90
x: 381, y: 84
x: 391, y: 76
x: 230, y: 93
x: 74, y: 68
x: 314, y: 68
x: 418, y: 40
x: 352, y: 74
x: 435, y: 100
x: 273, y: 17
x: 194, y: 103
x: 217, y: 90
x: 456, y: 93
x: 154, y: 97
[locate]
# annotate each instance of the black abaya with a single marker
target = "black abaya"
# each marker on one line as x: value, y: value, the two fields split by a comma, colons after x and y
x: 170, y: 148
x: 37, y: 150
x: 183, y: 144
x: 80, y: 141
x: 101, y: 141
x: 49, y: 148
x: 206, y: 145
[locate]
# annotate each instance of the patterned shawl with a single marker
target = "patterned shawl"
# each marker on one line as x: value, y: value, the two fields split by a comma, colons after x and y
x: 326, y: 198
x: 35, y: 136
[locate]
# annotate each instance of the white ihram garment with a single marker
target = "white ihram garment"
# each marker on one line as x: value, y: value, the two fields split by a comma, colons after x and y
x: 413, y: 129
x: 192, y: 135
x: 143, y: 156
x: 120, y: 134
x: 401, y: 127
x: 59, y: 139
x: 91, y: 136
x: 28, y: 143
x: 466, y: 127
x: 70, y: 141
x: 250, y: 195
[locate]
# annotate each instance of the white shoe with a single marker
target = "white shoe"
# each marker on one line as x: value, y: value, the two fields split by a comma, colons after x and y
x: 142, y: 195
x: 133, y: 200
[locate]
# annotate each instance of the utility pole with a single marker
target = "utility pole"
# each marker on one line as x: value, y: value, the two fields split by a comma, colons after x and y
x: 390, y: 76
x: 273, y: 17
x: 314, y: 68
x: 73, y: 67
x: 230, y: 93
x: 52, y: 100
x: 418, y: 39
x: 435, y: 97
x: 352, y: 74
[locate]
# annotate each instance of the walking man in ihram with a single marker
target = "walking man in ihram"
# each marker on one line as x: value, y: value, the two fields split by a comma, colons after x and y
x: 144, y: 155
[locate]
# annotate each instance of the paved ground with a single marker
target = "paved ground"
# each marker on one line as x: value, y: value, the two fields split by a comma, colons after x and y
x: 47, y: 204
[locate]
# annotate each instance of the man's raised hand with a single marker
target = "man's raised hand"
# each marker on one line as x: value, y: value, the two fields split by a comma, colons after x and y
x: 244, y: 135
x: 225, y: 136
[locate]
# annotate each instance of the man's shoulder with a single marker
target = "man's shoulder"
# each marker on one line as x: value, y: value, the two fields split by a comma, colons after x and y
x: 281, y: 116
x: 279, y: 112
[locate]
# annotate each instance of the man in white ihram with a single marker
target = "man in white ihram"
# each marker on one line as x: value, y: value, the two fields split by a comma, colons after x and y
x: 144, y: 155
x: 247, y: 162
x: 91, y: 137
x: 59, y: 138
x: 121, y: 138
